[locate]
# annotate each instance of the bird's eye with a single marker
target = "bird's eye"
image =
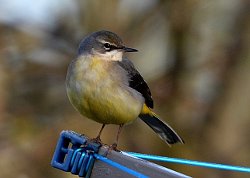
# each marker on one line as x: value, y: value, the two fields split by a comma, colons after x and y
x: 107, y: 46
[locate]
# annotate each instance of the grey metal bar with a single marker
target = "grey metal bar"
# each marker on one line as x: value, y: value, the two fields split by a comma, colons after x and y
x: 103, y: 170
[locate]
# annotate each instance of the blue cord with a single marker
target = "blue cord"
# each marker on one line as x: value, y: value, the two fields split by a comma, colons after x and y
x: 192, y: 163
x: 119, y: 166
x: 79, y: 160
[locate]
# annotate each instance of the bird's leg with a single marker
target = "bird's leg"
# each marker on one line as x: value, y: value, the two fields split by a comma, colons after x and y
x: 114, y: 145
x: 98, y: 138
x: 100, y: 132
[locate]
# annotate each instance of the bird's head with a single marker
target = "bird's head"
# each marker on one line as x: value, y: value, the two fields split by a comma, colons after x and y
x: 104, y: 44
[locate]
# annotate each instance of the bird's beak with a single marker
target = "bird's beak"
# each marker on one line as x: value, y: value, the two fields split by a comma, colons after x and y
x: 126, y: 49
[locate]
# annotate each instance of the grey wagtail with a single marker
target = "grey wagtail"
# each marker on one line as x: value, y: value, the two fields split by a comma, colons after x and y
x: 106, y: 87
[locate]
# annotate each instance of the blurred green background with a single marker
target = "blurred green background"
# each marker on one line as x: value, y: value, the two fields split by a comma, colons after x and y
x: 195, y: 56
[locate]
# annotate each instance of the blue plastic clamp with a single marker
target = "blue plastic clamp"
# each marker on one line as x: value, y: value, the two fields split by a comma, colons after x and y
x: 74, y: 154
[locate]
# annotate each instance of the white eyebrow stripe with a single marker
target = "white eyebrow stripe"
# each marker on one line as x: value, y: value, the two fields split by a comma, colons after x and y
x: 103, y: 41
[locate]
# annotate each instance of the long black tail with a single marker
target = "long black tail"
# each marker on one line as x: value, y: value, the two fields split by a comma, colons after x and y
x: 163, y: 130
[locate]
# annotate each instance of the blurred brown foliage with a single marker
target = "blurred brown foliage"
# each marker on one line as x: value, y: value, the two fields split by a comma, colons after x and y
x: 194, y: 54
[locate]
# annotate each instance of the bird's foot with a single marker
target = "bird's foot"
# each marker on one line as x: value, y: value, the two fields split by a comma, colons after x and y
x: 113, y: 147
x: 96, y: 140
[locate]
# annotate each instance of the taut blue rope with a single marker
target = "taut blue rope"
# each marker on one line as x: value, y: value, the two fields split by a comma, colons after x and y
x: 191, y: 162
x: 74, y: 154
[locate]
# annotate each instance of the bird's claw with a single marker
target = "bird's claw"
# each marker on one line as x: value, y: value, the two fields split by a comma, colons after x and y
x: 96, y: 140
x: 113, y: 147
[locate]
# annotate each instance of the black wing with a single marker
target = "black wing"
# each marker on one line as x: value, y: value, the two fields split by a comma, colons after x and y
x: 136, y: 81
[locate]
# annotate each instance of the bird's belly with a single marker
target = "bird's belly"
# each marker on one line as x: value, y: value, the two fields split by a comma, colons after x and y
x: 108, y: 105
x: 103, y: 99
x: 112, y: 106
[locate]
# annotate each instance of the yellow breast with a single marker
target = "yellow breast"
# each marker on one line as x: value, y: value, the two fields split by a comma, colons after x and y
x: 97, y: 89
